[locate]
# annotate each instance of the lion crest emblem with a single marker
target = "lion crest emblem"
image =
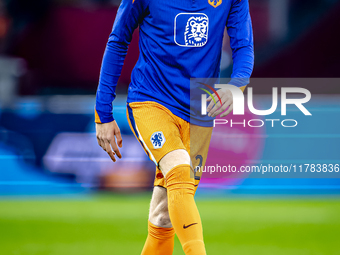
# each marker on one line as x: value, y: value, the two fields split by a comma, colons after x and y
x: 157, y: 139
x: 196, y: 31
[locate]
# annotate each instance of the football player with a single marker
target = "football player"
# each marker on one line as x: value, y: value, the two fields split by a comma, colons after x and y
x: 178, y: 40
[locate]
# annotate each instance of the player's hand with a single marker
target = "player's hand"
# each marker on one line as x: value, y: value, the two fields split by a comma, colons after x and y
x: 106, y: 136
x: 227, y: 101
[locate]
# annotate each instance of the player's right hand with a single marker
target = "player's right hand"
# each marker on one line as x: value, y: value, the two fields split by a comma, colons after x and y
x: 106, y: 136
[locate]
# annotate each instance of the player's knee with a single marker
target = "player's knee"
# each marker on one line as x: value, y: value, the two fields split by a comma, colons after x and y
x: 159, y: 216
x: 161, y: 219
x: 173, y: 159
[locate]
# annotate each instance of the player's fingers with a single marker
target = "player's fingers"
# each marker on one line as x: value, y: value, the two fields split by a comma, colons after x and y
x: 119, y: 138
x: 111, y: 154
x: 99, y: 141
x: 212, y: 104
x: 210, y: 98
x: 115, y: 148
x: 222, y: 109
x: 109, y: 151
x: 214, y: 109
x: 218, y: 105
x: 227, y: 111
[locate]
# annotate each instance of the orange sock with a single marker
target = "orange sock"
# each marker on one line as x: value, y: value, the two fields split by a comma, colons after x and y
x: 160, y: 241
x: 183, y: 211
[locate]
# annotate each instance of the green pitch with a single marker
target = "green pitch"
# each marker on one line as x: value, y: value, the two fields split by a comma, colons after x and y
x: 118, y: 225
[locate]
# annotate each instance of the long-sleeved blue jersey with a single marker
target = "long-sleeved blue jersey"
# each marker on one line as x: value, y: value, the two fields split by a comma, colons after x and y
x: 178, y: 40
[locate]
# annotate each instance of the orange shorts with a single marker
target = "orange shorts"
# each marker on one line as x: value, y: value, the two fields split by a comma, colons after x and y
x: 160, y: 132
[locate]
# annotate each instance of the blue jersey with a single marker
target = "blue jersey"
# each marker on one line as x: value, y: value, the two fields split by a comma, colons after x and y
x: 178, y: 40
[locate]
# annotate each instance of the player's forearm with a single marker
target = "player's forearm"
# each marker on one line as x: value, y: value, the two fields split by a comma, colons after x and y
x: 128, y: 16
x: 243, y: 59
x: 240, y: 31
x: 112, y: 65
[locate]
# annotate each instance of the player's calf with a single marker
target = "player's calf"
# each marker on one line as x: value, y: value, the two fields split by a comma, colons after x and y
x: 183, y: 212
x: 160, y: 240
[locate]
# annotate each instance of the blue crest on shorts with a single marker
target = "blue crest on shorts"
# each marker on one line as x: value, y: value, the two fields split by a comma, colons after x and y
x: 157, y: 139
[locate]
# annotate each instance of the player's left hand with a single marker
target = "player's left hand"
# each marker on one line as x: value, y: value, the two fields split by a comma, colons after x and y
x: 107, y: 133
x: 227, y: 101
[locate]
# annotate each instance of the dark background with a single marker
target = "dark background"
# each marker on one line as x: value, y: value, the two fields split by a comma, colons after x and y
x: 62, y: 42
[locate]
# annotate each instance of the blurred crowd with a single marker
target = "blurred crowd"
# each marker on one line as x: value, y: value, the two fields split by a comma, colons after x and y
x: 50, y: 57
x: 62, y: 41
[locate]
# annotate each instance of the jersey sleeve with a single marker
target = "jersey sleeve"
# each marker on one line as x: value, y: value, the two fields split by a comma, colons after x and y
x: 129, y: 15
x: 240, y: 31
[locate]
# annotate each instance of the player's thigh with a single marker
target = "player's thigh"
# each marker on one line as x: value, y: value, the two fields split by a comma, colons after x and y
x: 156, y: 128
x: 173, y: 159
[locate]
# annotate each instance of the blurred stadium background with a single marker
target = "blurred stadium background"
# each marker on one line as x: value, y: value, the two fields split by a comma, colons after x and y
x: 60, y: 193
